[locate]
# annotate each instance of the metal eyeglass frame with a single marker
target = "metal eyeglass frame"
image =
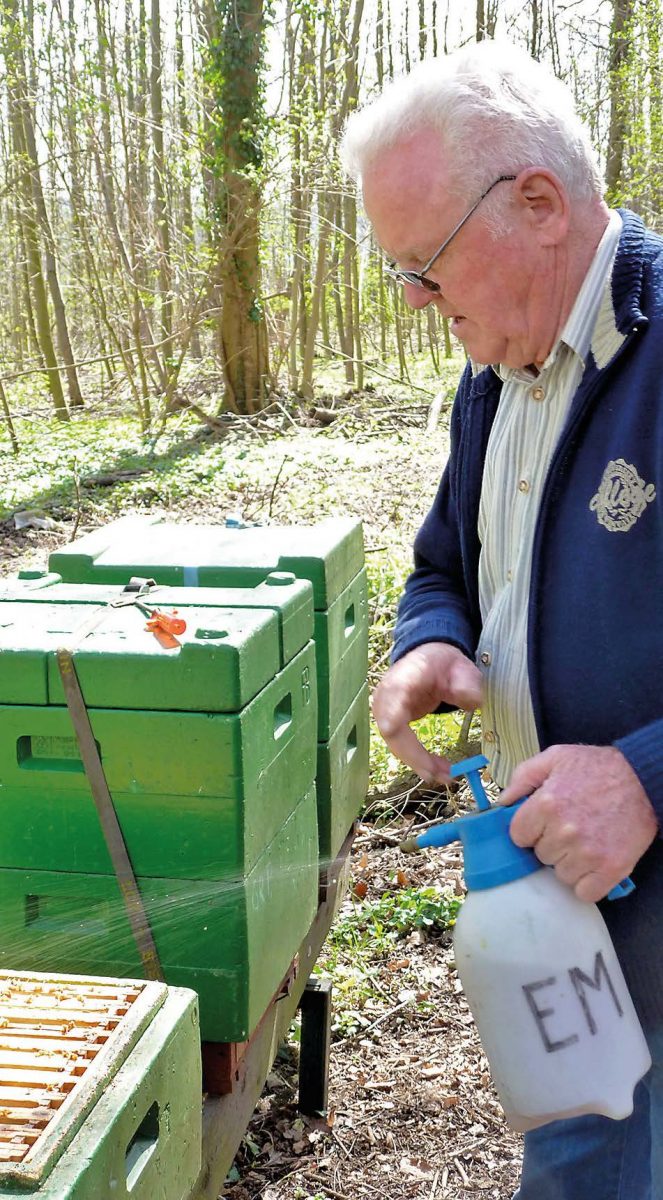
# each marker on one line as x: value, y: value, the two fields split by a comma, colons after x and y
x: 418, y: 278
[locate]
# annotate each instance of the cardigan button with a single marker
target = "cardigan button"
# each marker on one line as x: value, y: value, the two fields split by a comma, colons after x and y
x: 486, y: 658
x: 538, y: 393
x: 489, y: 736
x: 523, y: 485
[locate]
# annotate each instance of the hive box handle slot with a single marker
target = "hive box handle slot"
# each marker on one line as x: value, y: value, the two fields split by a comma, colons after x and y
x: 142, y: 1146
x: 351, y: 744
x: 350, y: 620
x: 40, y: 753
x: 283, y: 716
x: 70, y: 914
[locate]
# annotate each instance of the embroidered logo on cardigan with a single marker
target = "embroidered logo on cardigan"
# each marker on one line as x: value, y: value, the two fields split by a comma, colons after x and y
x: 622, y: 497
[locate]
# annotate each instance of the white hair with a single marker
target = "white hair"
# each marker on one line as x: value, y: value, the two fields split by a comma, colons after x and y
x: 497, y: 111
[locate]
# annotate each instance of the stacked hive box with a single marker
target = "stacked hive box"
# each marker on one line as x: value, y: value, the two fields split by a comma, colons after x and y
x: 209, y: 751
x: 330, y: 555
x: 99, y: 1089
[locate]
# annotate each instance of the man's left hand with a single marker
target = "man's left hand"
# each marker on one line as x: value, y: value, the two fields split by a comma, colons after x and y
x: 587, y: 815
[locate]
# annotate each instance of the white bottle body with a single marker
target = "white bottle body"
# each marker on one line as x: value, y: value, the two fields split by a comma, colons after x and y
x: 550, y: 1002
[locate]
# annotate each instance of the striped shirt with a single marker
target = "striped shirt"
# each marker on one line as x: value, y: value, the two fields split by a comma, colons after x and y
x: 529, y: 421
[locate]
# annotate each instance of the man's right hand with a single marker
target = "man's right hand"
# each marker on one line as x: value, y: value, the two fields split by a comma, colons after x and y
x: 416, y: 685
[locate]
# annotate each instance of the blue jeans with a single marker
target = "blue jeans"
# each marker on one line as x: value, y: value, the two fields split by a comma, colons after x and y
x: 592, y: 1157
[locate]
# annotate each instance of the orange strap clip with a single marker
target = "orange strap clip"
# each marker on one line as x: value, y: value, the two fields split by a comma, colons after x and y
x: 168, y: 622
x: 165, y: 626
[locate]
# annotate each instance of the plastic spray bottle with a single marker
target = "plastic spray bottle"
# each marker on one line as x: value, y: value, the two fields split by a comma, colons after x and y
x: 540, y: 975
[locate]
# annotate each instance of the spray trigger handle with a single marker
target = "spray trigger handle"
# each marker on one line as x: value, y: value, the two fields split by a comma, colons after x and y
x: 466, y: 829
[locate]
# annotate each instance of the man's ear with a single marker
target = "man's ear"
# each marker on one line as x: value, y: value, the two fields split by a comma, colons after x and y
x: 544, y: 202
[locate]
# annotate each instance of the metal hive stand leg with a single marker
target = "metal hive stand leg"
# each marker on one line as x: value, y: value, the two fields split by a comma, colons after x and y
x: 316, y: 1010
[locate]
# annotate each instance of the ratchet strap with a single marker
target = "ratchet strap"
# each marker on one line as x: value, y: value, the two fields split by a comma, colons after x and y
x: 133, y: 901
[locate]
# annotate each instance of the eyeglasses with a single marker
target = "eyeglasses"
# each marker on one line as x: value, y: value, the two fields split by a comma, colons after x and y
x: 418, y: 278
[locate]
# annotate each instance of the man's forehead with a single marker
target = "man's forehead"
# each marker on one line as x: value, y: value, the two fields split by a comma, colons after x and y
x: 413, y: 162
x: 405, y: 196
x: 413, y: 255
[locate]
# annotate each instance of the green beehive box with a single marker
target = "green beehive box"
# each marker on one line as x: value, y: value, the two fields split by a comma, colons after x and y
x: 198, y: 795
x: 341, y: 642
x: 227, y: 653
x: 290, y: 599
x: 230, y: 940
x: 121, y: 1121
x: 342, y: 778
x: 330, y: 555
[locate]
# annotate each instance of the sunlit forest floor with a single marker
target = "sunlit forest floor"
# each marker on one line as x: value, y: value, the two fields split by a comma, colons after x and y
x: 412, y: 1111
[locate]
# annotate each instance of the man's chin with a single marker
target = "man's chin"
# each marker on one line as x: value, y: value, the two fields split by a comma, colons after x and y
x: 484, y: 349
x: 479, y: 348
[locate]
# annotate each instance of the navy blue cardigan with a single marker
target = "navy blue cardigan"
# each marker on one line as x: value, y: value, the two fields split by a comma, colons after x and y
x: 595, y: 648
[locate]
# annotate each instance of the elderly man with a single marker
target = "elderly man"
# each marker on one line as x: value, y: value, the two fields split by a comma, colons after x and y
x: 536, y: 593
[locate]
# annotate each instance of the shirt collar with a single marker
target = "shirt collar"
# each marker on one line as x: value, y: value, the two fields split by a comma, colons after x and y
x: 579, y: 327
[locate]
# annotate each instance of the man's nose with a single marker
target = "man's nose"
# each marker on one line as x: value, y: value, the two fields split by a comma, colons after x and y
x: 417, y: 297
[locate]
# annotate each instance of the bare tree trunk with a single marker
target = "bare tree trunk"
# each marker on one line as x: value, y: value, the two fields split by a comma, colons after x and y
x: 356, y: 303
x: 620, y: 53
x: 185, y: 131
x: 554, y: 39
x: 654, y: 17
x: 382, y: 293
x: 26, y: 293
x: 105, y: 108
x: 379, y: 45
x: 13, y: 34
x: 41, y: 212
x: 433, y: 343
x: 296, y: 41
x: 159, y: 177
x: 236, y: 54
x: 4, y: 406
x: 448, y: 348
x: 349, y: 211
x: 293, y: 339
x: 480, y: 20
x: 389, y: 41
x: 400, y: 345
x: 536, y: 29
x: 317, y: 294
x: 26, y: 106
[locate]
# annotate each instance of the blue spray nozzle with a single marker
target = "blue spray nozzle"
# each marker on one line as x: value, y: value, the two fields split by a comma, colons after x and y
x: 624, y: 888
x: 491, y: 857
x: 470, y: 767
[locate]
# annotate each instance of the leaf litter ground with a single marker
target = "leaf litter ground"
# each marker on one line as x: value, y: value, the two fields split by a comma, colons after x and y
x: 412, y: 1110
